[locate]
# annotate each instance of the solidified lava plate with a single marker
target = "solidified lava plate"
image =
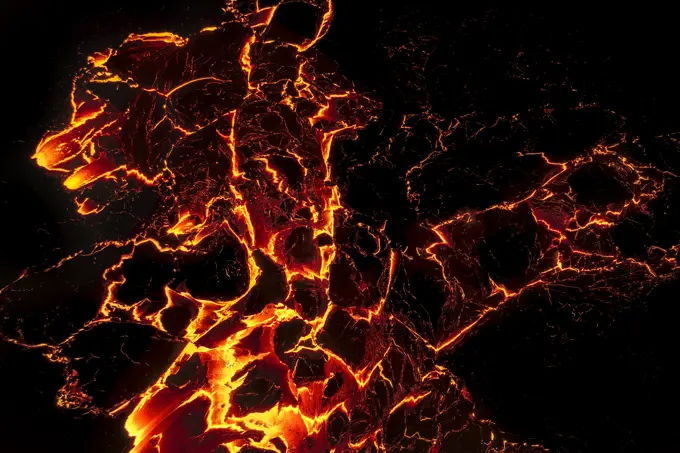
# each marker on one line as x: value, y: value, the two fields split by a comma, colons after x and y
x: 282, y: 305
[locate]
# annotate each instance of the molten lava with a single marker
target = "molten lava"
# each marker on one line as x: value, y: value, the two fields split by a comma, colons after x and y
x: 284, y: 300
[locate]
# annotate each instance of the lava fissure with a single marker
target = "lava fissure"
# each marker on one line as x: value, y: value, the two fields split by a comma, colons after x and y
x: 292, y: 317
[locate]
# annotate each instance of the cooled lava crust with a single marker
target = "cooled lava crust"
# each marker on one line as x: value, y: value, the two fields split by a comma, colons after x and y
x: 277, y: 316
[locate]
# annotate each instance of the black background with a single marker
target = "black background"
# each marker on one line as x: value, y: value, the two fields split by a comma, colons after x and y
x: 609, y: 389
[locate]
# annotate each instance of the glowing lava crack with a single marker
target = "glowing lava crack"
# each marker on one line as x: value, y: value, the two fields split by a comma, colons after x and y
x: 281, y: 297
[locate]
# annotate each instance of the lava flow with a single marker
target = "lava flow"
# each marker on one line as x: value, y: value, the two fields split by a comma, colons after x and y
x: 289, y: 307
